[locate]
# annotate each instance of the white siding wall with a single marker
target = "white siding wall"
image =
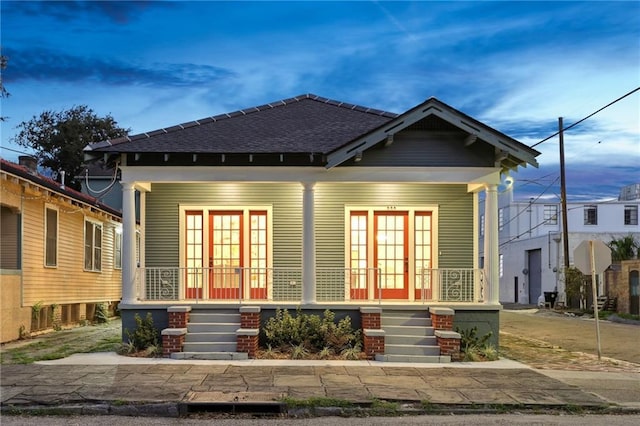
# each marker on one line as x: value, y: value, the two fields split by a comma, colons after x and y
x: 524, y: 230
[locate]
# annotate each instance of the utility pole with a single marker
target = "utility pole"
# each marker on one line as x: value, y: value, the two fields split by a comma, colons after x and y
x: 563, y: 195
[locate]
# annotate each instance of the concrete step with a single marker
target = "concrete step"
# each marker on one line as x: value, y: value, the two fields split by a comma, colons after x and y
x: 210, y: 347
x: 222, y: 356
x: 212, y: 327
x: 400, y: 339
x: 398, y: 330
x: 414, y: 358
x: 211, y: 337
x: 411, y: 350
x: 405, y: 321
x: 209, y: 317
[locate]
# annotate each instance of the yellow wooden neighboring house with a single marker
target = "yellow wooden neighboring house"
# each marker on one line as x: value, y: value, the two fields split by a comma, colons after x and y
x: 60, y: 253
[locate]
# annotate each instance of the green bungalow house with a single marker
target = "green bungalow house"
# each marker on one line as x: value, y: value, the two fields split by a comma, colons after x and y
x: 313, y: 203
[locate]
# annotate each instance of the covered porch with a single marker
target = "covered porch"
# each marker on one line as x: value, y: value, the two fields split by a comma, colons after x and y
x: 401, y: 252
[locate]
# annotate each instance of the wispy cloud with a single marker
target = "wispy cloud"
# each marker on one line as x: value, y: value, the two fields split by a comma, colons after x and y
x: 118, y: 12
x: 41, y: 64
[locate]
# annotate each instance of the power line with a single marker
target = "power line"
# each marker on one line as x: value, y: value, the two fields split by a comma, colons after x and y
x: 587, y: 117
x: 15, y: 150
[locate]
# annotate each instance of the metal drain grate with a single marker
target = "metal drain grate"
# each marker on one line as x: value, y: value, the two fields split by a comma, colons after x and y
x: 258, y: 403
x: 256, y: 408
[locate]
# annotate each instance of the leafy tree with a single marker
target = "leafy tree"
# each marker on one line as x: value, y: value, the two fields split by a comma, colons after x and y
x: 3, y: 91
x: 59, y: 137
x: 624, y: 248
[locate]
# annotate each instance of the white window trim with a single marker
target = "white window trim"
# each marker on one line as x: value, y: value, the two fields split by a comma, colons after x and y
x: 411, y: 210
x: 117, y: 231
x: 631, y: 208
x: 246, y: 240
x: 44, y: 260
x: 84, y: 239
x: 552, y: 219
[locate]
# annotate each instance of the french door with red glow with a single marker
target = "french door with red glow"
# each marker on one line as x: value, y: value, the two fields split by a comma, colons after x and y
x: 194, y: 273
x: 391, y: 254
x: 423, y: 255
x: 358, y: 256
x: 225, y: 254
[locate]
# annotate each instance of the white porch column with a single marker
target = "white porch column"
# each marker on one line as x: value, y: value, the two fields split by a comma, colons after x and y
x: 128, y: 243
x: 491, y: 250
x: 142, y: 228
x: 308, y: 244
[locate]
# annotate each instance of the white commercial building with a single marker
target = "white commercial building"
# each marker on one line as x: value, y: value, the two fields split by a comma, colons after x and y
x: 530, y: 239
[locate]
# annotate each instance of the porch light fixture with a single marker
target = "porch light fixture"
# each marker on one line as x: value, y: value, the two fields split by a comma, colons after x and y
x: 166, y: 157
x: 358, y: 157
x: 195, y: 157
x: 389, y: 141
x: 137, y: 156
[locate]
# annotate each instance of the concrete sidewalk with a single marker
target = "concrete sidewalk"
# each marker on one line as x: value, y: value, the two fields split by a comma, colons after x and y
x: 107, y: 383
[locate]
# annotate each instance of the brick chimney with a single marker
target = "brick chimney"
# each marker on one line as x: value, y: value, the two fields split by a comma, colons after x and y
x: 29, y: 162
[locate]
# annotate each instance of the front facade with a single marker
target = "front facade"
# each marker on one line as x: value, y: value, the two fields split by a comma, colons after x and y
x: 314, y: 203
x: 60, y: 254
x: 531, y: 254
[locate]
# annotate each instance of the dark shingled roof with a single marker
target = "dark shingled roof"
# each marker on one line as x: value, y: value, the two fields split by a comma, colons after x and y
x: 304, y: 124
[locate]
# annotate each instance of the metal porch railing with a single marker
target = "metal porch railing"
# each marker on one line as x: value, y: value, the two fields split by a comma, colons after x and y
x: 285, y: 285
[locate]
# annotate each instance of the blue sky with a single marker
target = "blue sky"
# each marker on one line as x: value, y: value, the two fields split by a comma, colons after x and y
x: 517, y: 66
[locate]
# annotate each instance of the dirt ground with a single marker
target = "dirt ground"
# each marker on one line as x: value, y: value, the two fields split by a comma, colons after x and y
x: 619, y: 341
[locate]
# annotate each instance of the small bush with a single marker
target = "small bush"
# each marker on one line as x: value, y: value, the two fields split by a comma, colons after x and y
x: 145, y: 334
x: 311, y: 332
x: 352, y: 353
x: 102, y: 313
x: 469, y: 338
x: 299, y: 352
x: 476, y: 348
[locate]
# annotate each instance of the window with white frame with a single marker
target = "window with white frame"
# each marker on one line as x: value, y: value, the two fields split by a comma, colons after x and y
x: 10, y: 244
x: 117, y: 248
x: 630, y: 215
x: 551, y: 214
x: 51, y: 236
x: 92, y: 246
x: 590, y: 215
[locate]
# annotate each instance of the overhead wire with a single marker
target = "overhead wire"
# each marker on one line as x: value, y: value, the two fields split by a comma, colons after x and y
x: 587, y: 117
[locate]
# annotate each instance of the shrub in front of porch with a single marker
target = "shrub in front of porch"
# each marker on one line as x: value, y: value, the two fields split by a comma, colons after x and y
x: 474, y: 347
x: 143, y: 341
x: 310, y: 336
